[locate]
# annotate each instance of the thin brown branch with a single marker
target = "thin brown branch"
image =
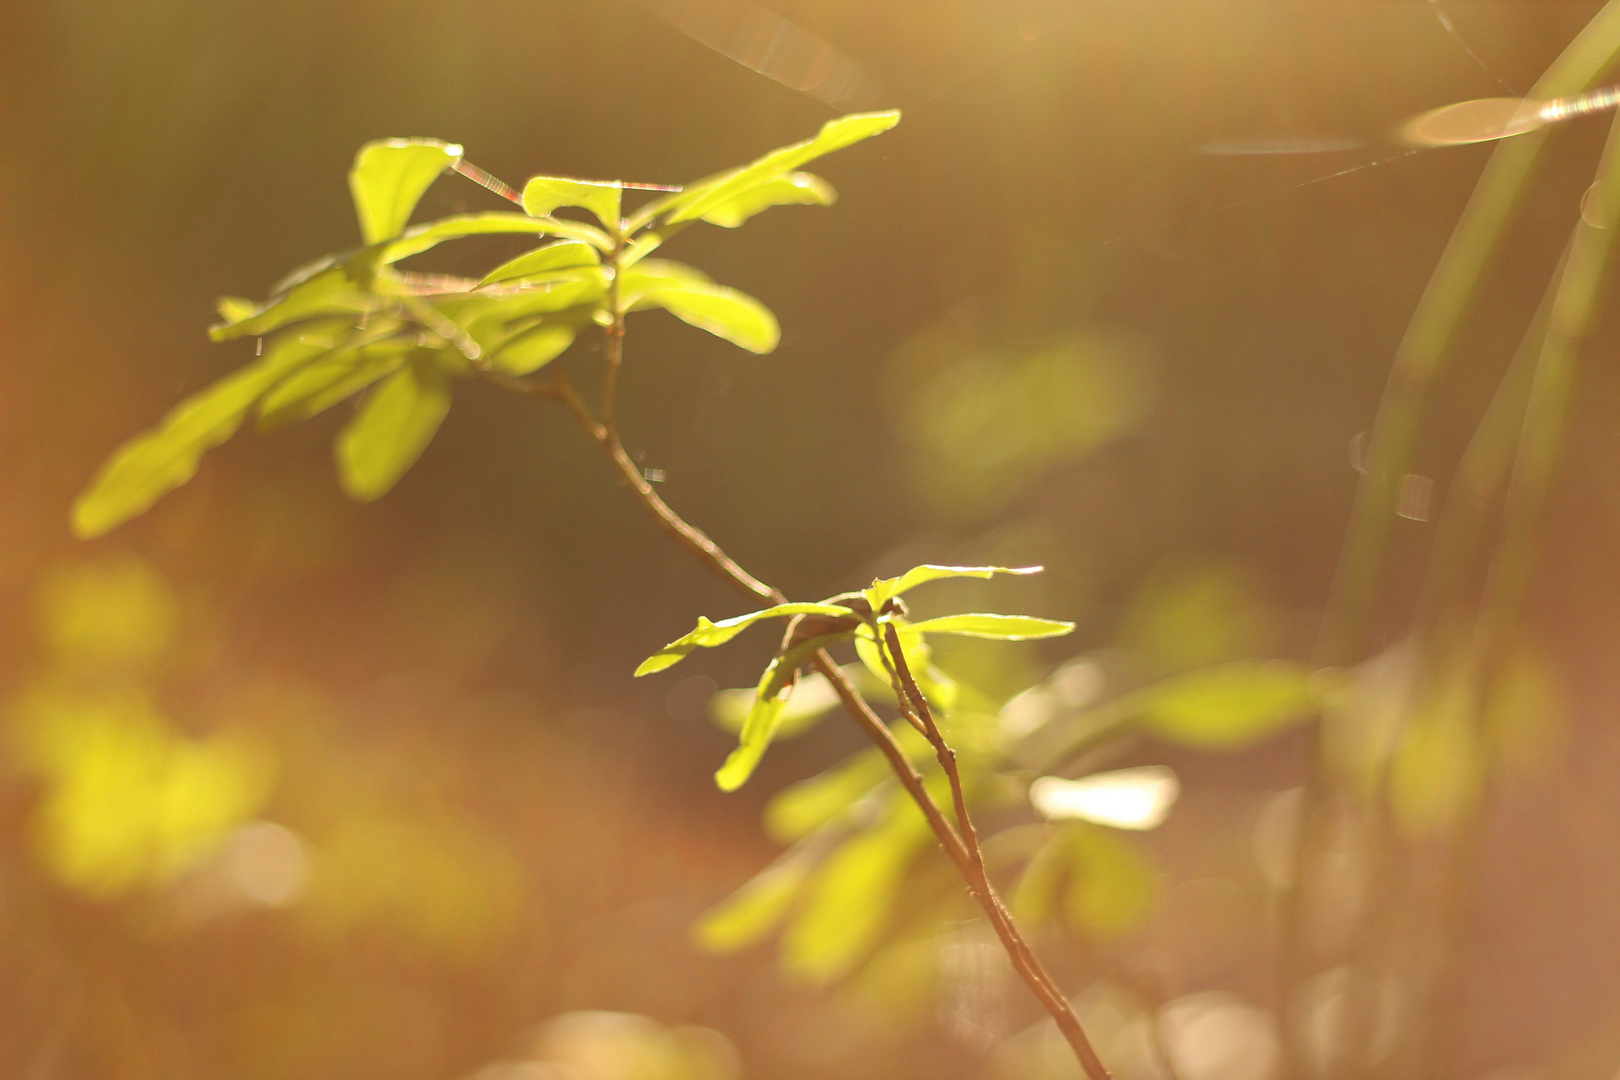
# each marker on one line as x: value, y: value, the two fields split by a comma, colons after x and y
x: 962, y: 848
x: 1023, y: 957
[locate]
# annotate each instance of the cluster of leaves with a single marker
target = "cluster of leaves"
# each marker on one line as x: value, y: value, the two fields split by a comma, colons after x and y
x: 860, y: 891
x: 355, y: 321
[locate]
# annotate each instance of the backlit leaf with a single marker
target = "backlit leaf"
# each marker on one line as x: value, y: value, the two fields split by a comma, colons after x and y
x: 799, y: 188
x: 883, y: 589
x: 158, y: 461
x: 543, y: 194
x: 709, y: 634
x: 649, y: 275
x: 389, y: 178
x: 532, y: 350
x: 340, y: 374
x: 850, y: 900
x: 812, y: 698
x: 759, y: 727
x: 699, y: 199
x: 912, y: 644
x: 391, y: 430
x: 330, y: 293
x: 493, y: 222
x: 1002, y: 627
x: 722, y: 311
x: 558, y: 256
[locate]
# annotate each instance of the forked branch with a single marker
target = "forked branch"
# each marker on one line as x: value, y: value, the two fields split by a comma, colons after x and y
x: 962, y: 846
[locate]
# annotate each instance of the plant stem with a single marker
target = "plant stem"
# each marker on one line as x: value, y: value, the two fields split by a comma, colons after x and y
x: 1023, y: 958
x: 964, y: 853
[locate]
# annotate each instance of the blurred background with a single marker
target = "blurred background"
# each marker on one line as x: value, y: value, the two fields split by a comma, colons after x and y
x: 296, y: 788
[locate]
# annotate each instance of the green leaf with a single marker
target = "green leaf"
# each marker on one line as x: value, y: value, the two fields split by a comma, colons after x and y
x: 532, y: 350
x: 392, y: 429
x: 558, y: 256
x: 706, y: 196
x: 158, y: 461
x: 1229, y: 706
x: 917, y: 653
x: 759, y: 728
x: 423, y: 237
x: 389, y: 178
x: 812, y: 698
x: 884, y: 589
x: 722, y: 311
x: 332, y: 292
x: 1001, y: 627
x: 652, y: 274
x: 709, y: 634
x: 800, y: 188
x: 851, y: 899
x: 543, y: 194
x: 340, y: 374
x: 753, y: 910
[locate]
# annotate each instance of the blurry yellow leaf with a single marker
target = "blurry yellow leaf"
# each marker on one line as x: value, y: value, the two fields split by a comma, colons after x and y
x: 1437, y: 772
x: 753, y: 910
x: 1191, y: 617
x: 1231, y: 706
x: 799, y: 809
x: 849, y: 900
x: 1525, y: 713
x: 117, y: 612
x: 127, y: 803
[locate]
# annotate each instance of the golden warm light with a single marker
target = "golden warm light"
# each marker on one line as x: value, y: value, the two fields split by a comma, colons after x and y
x: 785, y: 540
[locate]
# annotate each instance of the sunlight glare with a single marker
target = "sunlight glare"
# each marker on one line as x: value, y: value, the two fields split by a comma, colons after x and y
x: 1138, y: 798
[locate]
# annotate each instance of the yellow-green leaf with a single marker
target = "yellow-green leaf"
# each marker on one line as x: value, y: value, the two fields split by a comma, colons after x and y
x: 709, y: 634
x: 698, y: 200
x: 558, y: 256
x: 543, y: 194
x: 885, y: 588
x: 433, y: 233
x: 812, y: 698
x: 1002, y: 627
x: 1112, y: 889
x: 389, y: 178
x: 340, y: 374
x: 722, y: 311
x: 532, y: 350
x: 329, y: 293
x: 800, y: 809
x: 158, y: 461
x: 850, y: 900
x: 799, y: 188
x: 392, y: 429
x: 759, y: 727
